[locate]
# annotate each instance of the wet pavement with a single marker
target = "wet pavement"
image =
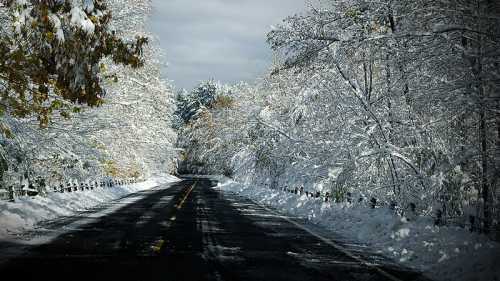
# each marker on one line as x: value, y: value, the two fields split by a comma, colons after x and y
x: 191, y: 231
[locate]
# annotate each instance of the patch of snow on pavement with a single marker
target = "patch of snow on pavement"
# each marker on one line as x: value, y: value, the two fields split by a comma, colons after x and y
x: 441, y: 253
x: 23, y: 214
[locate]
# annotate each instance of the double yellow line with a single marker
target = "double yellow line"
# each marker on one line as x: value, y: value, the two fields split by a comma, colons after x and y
x: 156, y: 247
x: 179, y: 206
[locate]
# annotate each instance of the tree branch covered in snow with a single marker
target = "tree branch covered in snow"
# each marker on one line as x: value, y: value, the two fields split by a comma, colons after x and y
x: 396, y: 100
x: 51, y: 56
x: 128, y: 135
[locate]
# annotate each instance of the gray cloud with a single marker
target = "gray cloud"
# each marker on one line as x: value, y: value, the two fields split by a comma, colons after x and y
x: 220, y: 39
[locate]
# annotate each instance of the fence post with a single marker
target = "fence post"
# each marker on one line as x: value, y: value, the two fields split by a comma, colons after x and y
x: 42, y: 187
x: 472, y: 220
x: 12, y: 194
x: 413, y: 208
x: 412, y: 212
x: 393, y: 205
x: 24, y: 190
x: 31, y: 190
x: 439, y: 217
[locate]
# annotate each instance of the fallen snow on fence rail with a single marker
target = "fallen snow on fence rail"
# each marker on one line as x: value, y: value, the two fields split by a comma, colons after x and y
x: 442, y: 253
x: 22, y: 215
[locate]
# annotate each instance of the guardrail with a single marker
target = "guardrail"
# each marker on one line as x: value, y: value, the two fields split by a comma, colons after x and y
x: 14, y: 191
x: 473, y: 223
x: 326, y: 196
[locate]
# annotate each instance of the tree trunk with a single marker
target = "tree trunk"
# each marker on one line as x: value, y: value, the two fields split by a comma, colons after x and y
x: 485, y: 190
x: 483, y: 133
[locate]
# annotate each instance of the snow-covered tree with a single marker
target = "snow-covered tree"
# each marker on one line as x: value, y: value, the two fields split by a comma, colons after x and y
x: 128, y: 135
x: 51, y: 53
x: 396, y: 100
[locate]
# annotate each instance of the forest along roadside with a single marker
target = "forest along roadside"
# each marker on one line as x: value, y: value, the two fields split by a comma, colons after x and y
x: 440, y: 252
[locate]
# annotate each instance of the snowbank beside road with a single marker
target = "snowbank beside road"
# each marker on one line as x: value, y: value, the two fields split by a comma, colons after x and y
x: 22, y: 215
x: 442, y: 253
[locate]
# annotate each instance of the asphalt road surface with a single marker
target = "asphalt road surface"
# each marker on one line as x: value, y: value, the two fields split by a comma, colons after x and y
x: 192, y: 231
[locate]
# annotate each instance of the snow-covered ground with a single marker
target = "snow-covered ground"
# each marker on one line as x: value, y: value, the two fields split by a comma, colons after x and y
x: 23, y: 215
x: 441, y: 253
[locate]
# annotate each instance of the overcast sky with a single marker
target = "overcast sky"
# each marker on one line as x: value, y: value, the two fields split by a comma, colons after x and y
x: 220, y: 39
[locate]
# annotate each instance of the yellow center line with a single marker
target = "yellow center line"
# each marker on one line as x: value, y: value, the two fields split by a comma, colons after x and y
x: 179, y: 206
x: 156, y: 247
